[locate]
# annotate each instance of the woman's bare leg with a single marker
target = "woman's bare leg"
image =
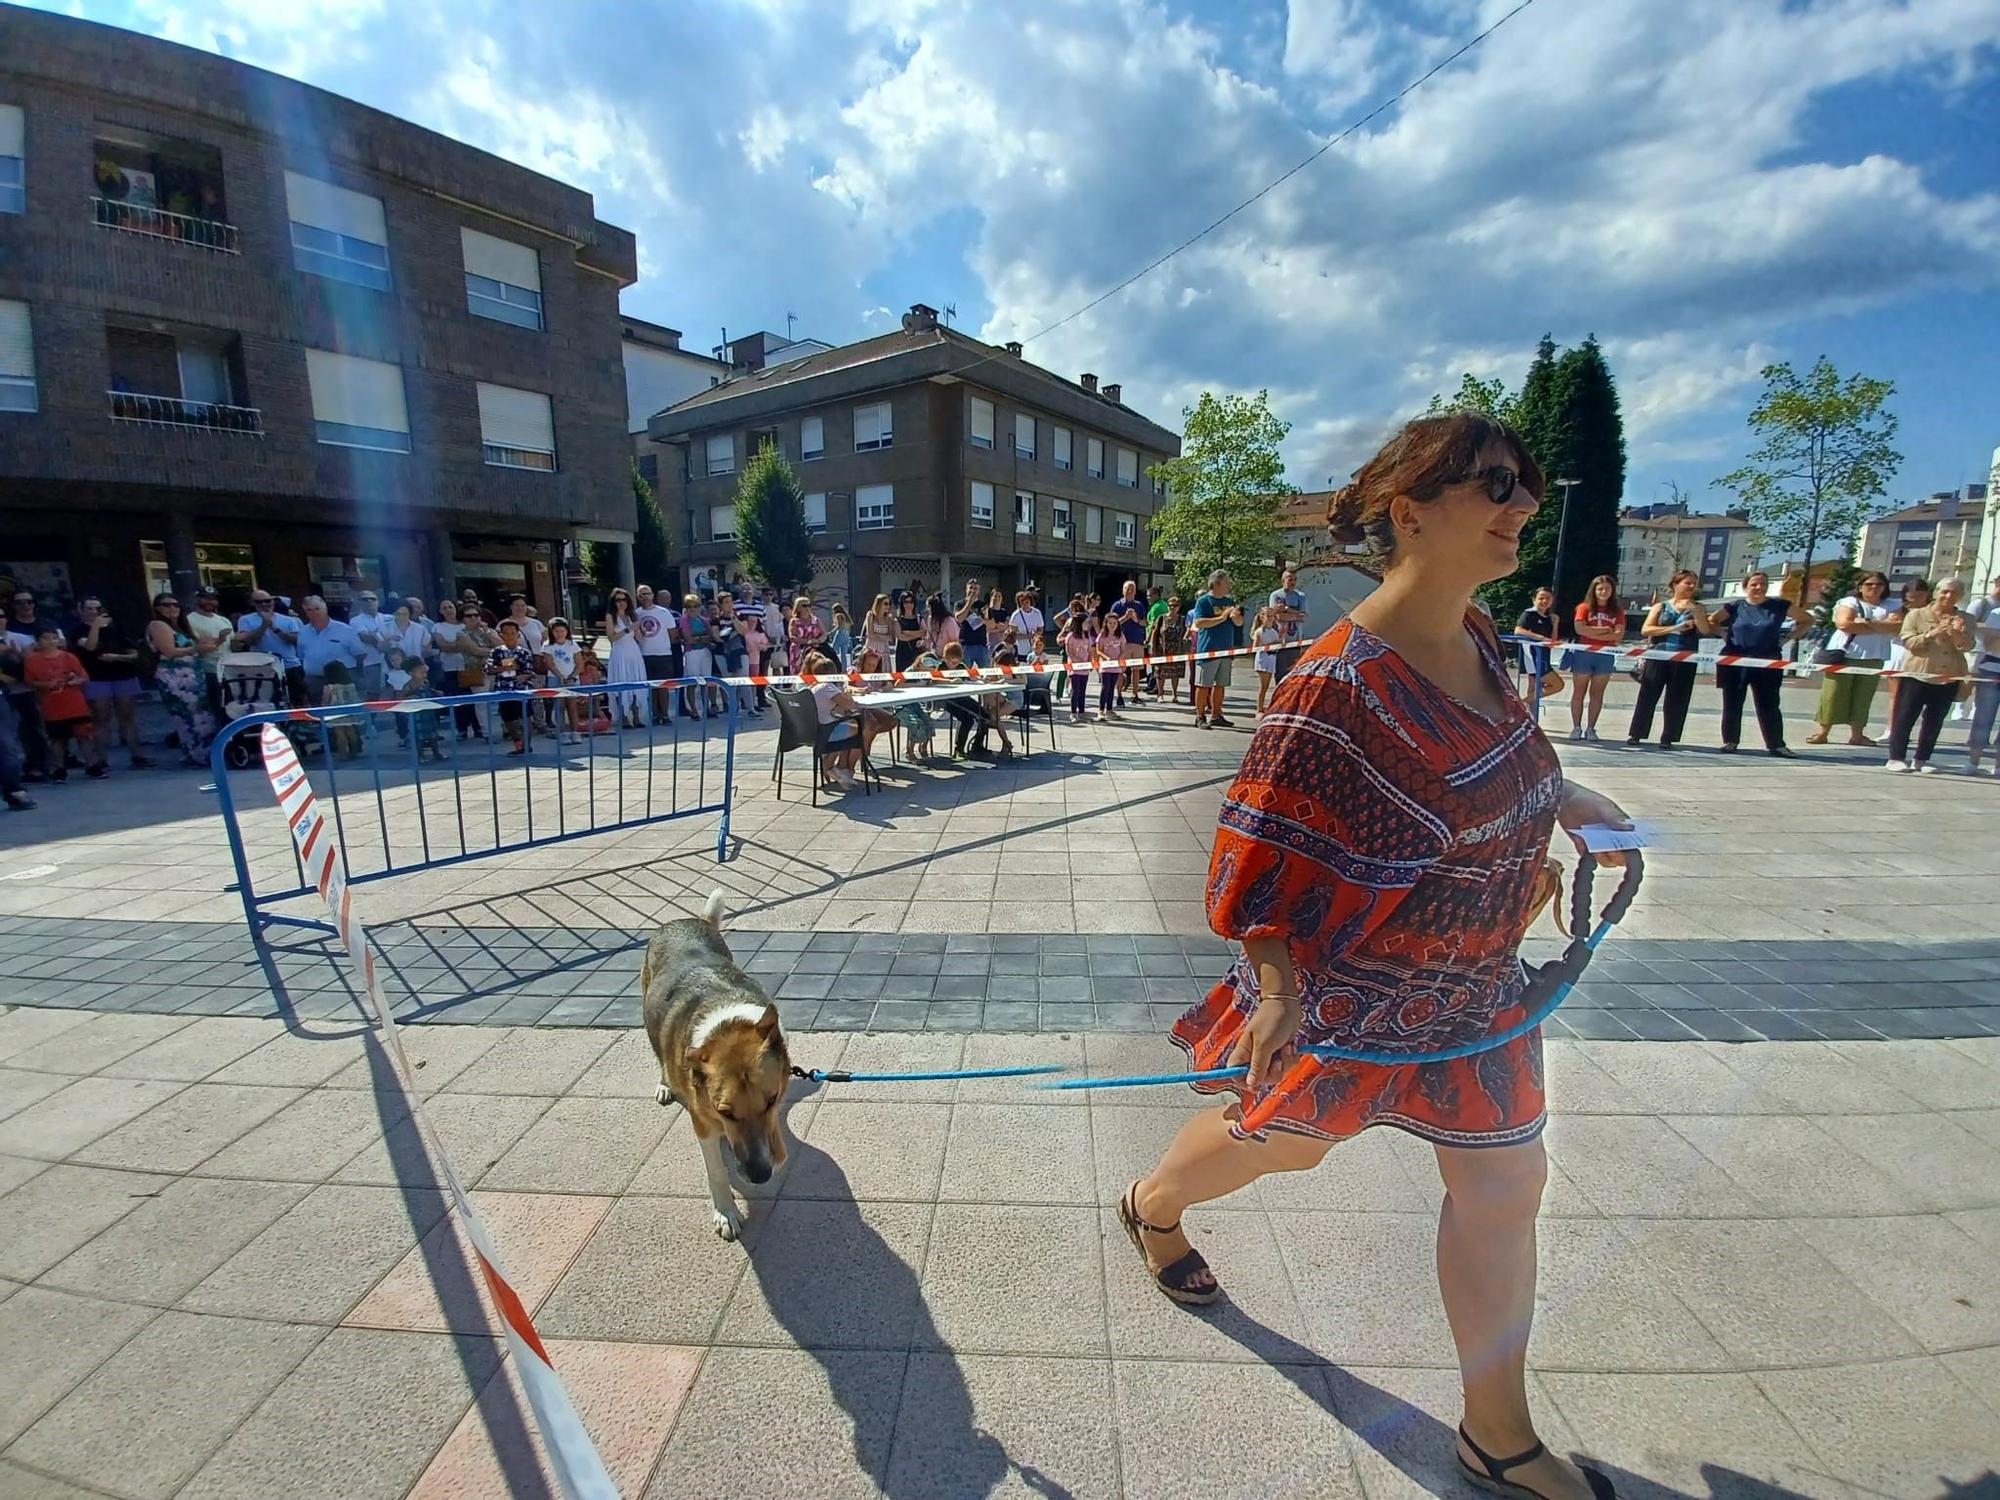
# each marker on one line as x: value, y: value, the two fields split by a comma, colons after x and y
x: 1486, y: 1273
x: 1205, y: 1162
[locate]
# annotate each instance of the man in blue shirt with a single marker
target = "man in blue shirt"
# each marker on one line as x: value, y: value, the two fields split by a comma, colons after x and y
x: 267, y: 628
x: 1218, y: 626
x: 1288, y: 610
x: 323, y: 639
x: 1128, y: 614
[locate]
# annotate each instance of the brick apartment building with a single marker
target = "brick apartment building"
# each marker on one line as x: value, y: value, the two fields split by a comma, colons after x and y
x: 251, y: 331
x: 924, y: 454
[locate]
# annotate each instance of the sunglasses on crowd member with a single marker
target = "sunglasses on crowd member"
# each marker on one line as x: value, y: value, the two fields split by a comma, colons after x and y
x: 1499, y: 480
x: 258, y: 601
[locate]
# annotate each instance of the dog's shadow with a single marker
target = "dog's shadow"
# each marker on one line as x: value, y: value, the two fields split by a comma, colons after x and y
x: 834, y: 1284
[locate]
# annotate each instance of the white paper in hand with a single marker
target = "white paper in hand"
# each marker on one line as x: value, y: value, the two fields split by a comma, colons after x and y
x: 1598, y: 838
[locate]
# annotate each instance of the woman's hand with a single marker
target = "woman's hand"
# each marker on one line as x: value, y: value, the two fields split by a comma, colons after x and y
x: 1581, y: 808
x: 1267, y: 1042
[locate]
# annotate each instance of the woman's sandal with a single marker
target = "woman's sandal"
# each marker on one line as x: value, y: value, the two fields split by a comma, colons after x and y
x: 1494, y: 1477
x: 1175, y: 1280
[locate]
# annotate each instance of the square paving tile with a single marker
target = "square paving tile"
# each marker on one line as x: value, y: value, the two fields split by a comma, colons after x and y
x: 51, y: 1214
x: 1635, y: 1165
x: 327, y: 1432
x: 1901, y: 1427
x: 140, y: 1425
x: 1942, y: 1165
x: 1668, y: 1077
x: 53, y: 1340
x: 654, y: 1271
x: 983, y: 1425
x: 871, y: 1150
x: 1600, y: 1303
x: 308, y: 1140
x: 984, y: 1296
x: 1793, y: 1167
x: 627, y: 1396
x: 1934, y: 1073
x: 179, y: 1133
x: 532, y: 1062
x: 96, y: 1043
x: 1929, y: 1275
x: 439, y: 1288
x: 20, y: 1088
x: 29, y: 1026
x: 1019, y: 1153
x: 193, y: 1052
x: 988, y: 1050
x: 173, y: 1239
x: 316, y: 1262
x: 869, y: 1251
x: 438, y: 1053
x: 1815, y: 1080
x: 71, y: 1118
x: 296, y: 1060
x: 1358, y: 1319
x: 823, y: 1426
x: 477, y: 1129
x: 1193, y: 1429
x: 581, y: 1146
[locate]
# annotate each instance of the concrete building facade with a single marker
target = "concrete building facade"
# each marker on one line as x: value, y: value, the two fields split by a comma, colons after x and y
x: 1936, y: 538
x: 1657, y: 541
x: 252, y: 332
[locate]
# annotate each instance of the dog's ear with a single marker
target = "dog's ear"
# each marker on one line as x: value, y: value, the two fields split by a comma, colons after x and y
x: 767, y: 1024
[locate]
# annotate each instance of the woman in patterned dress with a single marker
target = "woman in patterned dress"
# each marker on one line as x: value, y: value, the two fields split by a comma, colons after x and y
x: 1376, y: 857
x: 177, y: 674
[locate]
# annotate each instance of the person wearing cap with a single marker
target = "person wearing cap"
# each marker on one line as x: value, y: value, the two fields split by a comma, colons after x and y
x: 267, y: 628
x: 210, y: 625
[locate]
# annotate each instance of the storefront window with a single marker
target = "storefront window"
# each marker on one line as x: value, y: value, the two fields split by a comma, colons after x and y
x: 338, y: 579
x: 230, y: 568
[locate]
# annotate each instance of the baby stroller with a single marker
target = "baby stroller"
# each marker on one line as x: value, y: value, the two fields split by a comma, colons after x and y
x: 252, y: 682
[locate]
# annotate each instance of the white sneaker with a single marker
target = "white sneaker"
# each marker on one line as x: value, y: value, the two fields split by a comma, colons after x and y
x: 1896, y: 765
x: 1576, y: 733
x: 572, y: 739
x: 1591, y: 734
x: 844, y: 776
x: 1927, y: 769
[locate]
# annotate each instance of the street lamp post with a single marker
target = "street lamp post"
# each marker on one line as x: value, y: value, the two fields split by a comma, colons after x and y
x: 1562, y: 533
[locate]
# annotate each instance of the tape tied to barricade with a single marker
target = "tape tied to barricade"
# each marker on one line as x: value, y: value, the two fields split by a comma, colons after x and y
x: 572, y: 1455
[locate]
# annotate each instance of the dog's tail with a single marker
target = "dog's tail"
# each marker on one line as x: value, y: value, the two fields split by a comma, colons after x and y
x: 711, y: 913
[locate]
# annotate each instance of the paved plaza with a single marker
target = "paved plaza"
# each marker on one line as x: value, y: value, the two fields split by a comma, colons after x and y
x: 1768, y: 1247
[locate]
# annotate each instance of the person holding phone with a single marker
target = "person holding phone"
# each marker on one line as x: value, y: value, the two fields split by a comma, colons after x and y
x: 266, y: 628
x: 1218, y: 626
x: 111, y: 661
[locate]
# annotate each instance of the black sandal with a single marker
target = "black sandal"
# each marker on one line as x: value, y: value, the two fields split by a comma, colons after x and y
x: 1495, y: 1476
x: 1175, y: 1279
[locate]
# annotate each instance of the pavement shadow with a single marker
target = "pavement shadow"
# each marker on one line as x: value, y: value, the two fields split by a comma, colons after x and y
x: 847, y: 1258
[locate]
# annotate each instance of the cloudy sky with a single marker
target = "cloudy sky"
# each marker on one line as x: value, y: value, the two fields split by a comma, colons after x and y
x: 1708, y: 185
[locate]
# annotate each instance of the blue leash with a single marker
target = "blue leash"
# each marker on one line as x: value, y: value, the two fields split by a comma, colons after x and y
x: 841, y: 1075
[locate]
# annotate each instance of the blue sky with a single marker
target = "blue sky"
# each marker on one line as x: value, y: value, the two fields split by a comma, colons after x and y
x: 1707, y: 185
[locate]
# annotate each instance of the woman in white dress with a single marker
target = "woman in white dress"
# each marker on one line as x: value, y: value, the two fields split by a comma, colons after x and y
x: 628, y: 662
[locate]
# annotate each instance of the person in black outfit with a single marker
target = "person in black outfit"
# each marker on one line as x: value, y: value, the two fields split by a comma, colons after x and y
x: 909, y: 626
x: 1675, y: 623
x: 1754, y: 625
x: 1539, y: 622
x: 111, y: 662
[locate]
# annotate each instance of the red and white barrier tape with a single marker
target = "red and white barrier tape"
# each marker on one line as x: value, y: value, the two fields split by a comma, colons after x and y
x: 572, y: 1455
x: 1729, y: 659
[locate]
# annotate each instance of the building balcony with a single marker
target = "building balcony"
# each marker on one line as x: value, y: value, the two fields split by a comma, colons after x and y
x: 159, y: 224
x: 175, y: 411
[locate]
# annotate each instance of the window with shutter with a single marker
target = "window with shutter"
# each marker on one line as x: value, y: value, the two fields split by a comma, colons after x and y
x: 517, y: 428
x: 722, y: 523
x: 1093, y: 525
x: 982, y: 423
x: 337, y: 233
x: 1024, y: 435
x: 503, y: 280
x: 816, y: 512
x: 1128, y: 469
x: 1024, y: 513
x: 873, y: 428
x: 358, y: 403
x: 13, y: 171
x: 812, y: 438
x: 982, y: 505
x: 1059, y: 519
x: 721, y: 451
x: 1062, y: 448
x: 17, y: 358
x: 1093, y: 458
x: 875, y: 506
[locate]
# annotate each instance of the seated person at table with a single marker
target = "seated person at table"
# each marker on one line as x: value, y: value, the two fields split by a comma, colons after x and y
x: 874, y: 721
x: 969, y: 713
x: 832, y: 701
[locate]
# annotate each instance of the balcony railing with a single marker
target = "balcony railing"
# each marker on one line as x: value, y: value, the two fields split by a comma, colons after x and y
x: 207, y: 234
x: 172, y: 411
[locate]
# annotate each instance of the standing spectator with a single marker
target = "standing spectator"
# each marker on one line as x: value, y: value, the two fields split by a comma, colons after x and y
x: 1028, y: 624
x: 25, y: 621
x: 376, y: 632
x: 878, y: 629
x: 1864, y: 627
x: 940, y: 626
x: 1600, y: 621
x: 1079, y: 650
x: 1128, y: 619
x: 1166, y: 642
x: 998, y: 631
x: 409, y: 638
x: 324, y: 640
x: 23, y: 711
x: 1754, y: 625
x: 1218, y: 626
x: 840, y: 640
x: 475, y: 720
x: 533, y: 631
x: 1985, y: 617
x: 470, y: 609
x: 756, y: 650
x: 423, y: 724
x: 697, y: 655
x: 1110, y: 666
x: 1156, y: 606
x: 658, y: 633
x: 111, y: 661
x: 1936, y: 638
x: 212, y: 632
x: 1676, y: 623
x: 178, y: 678
x: 776, y: 630
x: 510, y: 666
x: 909, y: 626
x: 58, y: 678
x: 803, y: 633
x: 565, y: 656
x: 1265, y: 635
x: 1916, y: 594
x: 1288, y: 614
x: 12, y: 670
x: 448, y: 643
x: 628, y: 661
x: 1538, y: 622
x: 264, y: 628
x: 972, y: 626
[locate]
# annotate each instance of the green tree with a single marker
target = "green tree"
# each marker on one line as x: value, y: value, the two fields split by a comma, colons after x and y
x: 1488, y: 396
x: 1592, y: 452
x: 1223, y: 494
x: 771, y: 522
x: 1842, y: 579
x: 1824, y: 459
x: 650, y: 559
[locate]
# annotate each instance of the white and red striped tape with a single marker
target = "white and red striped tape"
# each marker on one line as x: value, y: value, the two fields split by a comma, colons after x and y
x: 572, y: 1455
x: 1730, y: 659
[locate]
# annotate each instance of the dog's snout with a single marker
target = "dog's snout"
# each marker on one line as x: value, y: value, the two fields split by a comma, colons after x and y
x: 758, y: 1169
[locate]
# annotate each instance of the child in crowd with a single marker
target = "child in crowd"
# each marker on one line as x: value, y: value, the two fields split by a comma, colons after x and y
x: 832, y: 701
x: 58, y: 678
x: 595, y: 709
x: 756, y: 641
x: 424, y: 722
x: 842, y: 639
x: 1265, y: 635
x: 510, y: 667
x: 343, y: 734
x: 1079, y: 649
x: 565, y: 661
x: 1110, y: 655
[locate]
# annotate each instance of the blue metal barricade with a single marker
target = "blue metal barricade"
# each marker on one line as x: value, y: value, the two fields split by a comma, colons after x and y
x: 409, y: 790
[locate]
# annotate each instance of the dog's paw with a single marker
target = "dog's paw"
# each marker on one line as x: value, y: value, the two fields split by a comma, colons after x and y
x: 663, y: 1095
x: 728, y: 1222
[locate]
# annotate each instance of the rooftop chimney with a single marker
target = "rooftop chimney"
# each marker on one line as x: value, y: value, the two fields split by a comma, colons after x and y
x: 1014, y: 347
x: 1112, y: 392
x: 920, y: 319
x: 1089, y: 383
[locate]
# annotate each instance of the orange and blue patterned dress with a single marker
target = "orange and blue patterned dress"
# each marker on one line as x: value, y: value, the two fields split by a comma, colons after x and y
x: 1392, y: 836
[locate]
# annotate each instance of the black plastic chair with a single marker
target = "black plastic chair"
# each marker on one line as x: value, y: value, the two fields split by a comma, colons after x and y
x: 1038, y: 701
x: 799, y: 726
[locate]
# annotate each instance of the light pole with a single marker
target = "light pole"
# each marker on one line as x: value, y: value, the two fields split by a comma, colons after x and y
x: 1562, y: 534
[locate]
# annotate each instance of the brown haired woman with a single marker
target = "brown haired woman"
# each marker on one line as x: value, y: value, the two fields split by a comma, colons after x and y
x: 1675, y: 623
x: 1754, y: 625
x: 1376, y: 857
x: 1600, y: 621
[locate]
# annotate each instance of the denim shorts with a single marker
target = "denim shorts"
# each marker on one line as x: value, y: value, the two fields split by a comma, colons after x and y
x: 95, y: 691
x: 1583, y: 663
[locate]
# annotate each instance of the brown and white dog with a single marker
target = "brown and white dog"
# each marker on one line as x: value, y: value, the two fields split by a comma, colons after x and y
x: 721, y: 1053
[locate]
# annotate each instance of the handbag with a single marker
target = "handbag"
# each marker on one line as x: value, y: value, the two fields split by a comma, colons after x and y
x: 1552, y: 683
x: 1830, y: 656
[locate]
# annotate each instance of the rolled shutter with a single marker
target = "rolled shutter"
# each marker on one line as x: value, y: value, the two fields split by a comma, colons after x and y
x: 13, y: 130
x: 335, y: 209
x: 509, y: 418
x: 17, y: 341
x: 501, y: 260
x: 357, y: 392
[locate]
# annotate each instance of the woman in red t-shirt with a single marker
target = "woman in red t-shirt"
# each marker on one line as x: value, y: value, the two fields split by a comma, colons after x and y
x: 1600, y: 621
x: 58, y: 678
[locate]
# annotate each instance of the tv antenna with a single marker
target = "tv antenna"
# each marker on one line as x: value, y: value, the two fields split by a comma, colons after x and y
x: 950, y: 312
x: 790, y: 319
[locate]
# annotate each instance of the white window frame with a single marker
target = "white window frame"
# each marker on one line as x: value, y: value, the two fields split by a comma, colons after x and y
x: 874, y: 507
x: 874, y: 427
x: 815, y: 508
x: 351, y: 435
x: 1059, y: 519
x: 1093, y: 525
x: 538, y: 455
x: 722, y: 522
x: 709, y: 454
x: 812, y: 439
x: 979, y: 427
x: 18, y: 390
x: 337, y: 254
x: 982, y: 517
x: 1024, y: 513
x: 1128, y: 469
x: 1024, y: 424
x: 1063, y: 449
x: 13, y: 160
x: 1124, y: 529
x: 1093, y: 457
x: 501, y: 299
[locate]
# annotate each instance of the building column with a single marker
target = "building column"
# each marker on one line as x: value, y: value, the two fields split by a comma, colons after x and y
x: 183, y: 566
x: 444, y: 566
x: 628, y: 577
x: 944, y: 579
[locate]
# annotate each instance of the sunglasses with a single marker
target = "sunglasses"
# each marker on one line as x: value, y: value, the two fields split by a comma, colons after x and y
x: 1500, y: 482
